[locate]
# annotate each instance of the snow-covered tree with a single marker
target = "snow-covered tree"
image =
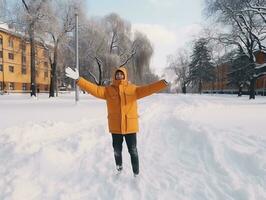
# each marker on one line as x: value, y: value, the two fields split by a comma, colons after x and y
x: 106, y: 43
x: 61, y: 21
x: 200, y: 68
x: 179, y: 65
x: 239, y: 70
x: 3, y: 8
x: 32, y: 18
x: 140, y: 65
x: 245, y: 29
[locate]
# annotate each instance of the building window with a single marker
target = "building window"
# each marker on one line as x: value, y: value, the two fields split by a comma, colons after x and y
x: 1, y: 85
x: 46, y: 74
x: 46, y: 64
x: 1, y: 54
x: 11, y: 56
x: 23, y: 46
x: 23, y: 69
x: 12, y: 86
x: 24, y: 86
x: 1, y: 41
x: 10, y: 43
x: 45, y: 53
x: 11, y: 68
x: 1, y: 67
x: 37, y: 73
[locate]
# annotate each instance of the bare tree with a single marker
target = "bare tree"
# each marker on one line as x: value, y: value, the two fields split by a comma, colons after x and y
x: 107, y: 43
x: 93, y: 50
x: 141, y: 61
x: 7, y: 15
x: 34, y: 13
x: 61, y: 22
x: 178, y: 65
x: 3, y: 9
x: 255, y: 6
x: 118, y: 31
x: 246, y: 30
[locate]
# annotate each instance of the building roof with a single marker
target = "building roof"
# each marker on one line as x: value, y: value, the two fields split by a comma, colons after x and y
x: 7, y: 29
x: 12, y: 31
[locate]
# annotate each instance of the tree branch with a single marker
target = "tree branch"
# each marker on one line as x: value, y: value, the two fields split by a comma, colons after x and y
x: 26, y: 6
x: 94, y: 77
x: 128, y: 58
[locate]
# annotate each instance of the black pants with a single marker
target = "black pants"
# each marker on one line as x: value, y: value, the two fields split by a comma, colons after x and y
x: 131, y: 140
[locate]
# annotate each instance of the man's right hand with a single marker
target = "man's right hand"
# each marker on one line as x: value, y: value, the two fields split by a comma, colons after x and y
x: 74, y: 74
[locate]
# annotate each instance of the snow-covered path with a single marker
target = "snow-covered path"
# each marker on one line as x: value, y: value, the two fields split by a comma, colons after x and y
x: 190, y: 147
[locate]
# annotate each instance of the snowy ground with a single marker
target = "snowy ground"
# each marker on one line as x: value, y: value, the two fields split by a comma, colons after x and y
x: 190, y: 147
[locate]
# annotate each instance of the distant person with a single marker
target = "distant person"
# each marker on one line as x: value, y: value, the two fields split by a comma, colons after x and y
x: 121, y: 98
x: 32, y: 90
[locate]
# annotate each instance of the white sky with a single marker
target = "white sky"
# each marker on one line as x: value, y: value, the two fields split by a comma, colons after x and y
x: 169, y: 24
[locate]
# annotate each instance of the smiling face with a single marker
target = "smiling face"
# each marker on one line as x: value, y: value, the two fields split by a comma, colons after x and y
x: 119, y: 75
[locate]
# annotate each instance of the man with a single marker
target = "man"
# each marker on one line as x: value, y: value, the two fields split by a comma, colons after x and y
x: 121, y: 98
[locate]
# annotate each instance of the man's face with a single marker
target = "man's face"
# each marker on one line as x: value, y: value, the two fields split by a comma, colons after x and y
x: 119, y: 75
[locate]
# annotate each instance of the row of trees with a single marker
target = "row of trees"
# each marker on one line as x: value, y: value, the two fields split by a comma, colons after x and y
x: 104, y: 43
x: 243, y: 34
x: 193, y: 69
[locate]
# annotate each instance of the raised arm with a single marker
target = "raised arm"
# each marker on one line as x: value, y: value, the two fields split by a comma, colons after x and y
x: 95, y: 90
x: 146, y: 90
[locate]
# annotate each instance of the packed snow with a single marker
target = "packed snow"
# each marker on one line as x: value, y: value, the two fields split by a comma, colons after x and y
x: 191, y: 147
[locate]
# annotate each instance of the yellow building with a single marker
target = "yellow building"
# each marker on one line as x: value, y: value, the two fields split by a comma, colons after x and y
x: 15, y: 64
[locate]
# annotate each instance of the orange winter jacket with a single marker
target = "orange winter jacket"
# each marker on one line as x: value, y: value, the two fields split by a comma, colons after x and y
x: 121, y: 98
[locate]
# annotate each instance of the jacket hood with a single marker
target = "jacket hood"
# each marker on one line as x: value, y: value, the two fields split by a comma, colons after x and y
x: 124, y: 81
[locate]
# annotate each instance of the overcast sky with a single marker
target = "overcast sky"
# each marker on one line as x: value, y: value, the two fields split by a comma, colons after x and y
x: 169, y: 24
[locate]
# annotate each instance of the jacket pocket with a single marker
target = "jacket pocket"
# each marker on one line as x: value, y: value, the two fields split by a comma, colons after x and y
x: 132, y: 122
x: 114, y: 122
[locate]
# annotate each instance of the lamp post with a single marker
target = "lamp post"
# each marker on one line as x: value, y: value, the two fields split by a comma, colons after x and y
x: 76, y: 54
x: 264, y: 81
x: 3, y: 77
x: 3, y: 82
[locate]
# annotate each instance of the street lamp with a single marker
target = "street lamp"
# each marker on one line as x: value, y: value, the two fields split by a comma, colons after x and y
x: 264, y: 81
x: 1, y: 49
x: 76, y: 54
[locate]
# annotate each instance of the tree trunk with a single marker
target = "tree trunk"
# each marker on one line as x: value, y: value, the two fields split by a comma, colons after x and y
x: 32, y: 60
x: 55, y: 69
x: 252, y: 88
x: 53, y: 82
x: 100, y: 79
x: 240, y: 90
x: 213, y: 87
x: 100, y: 75
x: 200, y: 87
x: 184, y: 89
